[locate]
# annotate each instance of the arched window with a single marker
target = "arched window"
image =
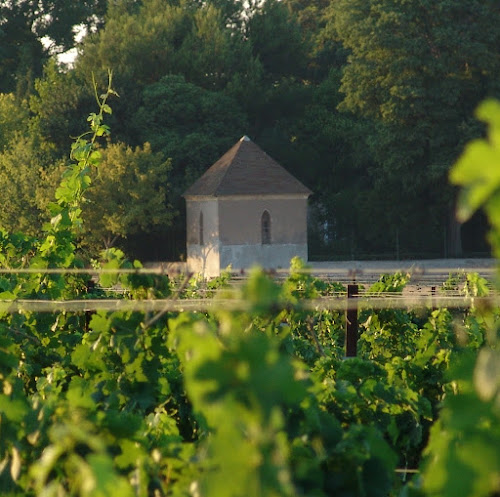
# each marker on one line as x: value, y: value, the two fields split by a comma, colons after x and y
x: 201, y: 229
x: 265, y: 228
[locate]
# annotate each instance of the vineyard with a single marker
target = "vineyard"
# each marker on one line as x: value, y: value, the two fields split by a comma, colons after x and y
x: 250, y: 396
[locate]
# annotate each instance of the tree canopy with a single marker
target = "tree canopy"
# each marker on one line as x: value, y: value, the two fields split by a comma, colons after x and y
x: 419, y: 69
x: 30, y: 31
x: 27, y: 186
x: 129, y: 196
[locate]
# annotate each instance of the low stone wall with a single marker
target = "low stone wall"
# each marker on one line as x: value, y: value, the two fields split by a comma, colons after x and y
x: 272, y: 256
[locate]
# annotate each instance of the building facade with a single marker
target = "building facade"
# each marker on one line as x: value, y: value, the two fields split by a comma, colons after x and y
x: 246, y: 210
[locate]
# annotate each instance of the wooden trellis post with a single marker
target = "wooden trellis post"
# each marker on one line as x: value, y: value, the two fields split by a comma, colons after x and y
x: 351, y: 315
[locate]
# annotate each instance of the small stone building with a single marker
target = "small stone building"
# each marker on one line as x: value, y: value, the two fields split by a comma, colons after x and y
x: 245, y: 210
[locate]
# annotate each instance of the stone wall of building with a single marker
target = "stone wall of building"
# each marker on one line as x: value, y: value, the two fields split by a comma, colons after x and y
x: 240, y: 220
x: 203, y: 241
x: 232, y: 232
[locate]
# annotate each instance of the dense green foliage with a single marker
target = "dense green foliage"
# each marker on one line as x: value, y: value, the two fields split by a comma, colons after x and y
x: 356, y: 98
x: 257, y: 402
x: 32, y: 31
x: 419, y: 69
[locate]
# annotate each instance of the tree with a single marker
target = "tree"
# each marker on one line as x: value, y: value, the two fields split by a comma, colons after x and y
x: 21, y: 51
x: 144, y: 43
x: 13, y: 118
x: 419, y: 69
x: 60, y: 20
x: 130, y: 195
x: 324, y: 51
x: 23, y: 26
x: 276, y: 40
x: 27, y: 186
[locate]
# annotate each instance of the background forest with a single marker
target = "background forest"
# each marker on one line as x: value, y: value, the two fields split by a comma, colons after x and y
x: 367, y: 102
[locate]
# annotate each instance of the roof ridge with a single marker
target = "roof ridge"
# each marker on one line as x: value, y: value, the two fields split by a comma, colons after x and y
x: 228, y: 167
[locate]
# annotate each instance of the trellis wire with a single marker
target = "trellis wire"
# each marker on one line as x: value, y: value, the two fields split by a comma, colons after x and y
x: 340, y: 303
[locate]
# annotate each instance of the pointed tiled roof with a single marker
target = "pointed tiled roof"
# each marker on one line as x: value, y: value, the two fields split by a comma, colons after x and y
x: 245, y: 169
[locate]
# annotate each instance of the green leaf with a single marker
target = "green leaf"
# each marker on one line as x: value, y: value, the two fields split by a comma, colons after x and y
x: 14, y: 408
x: 487, y: 373
x: 80, y: 393
x: 107, y: 481
x: 131, y: 454
x: 478, y: 169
